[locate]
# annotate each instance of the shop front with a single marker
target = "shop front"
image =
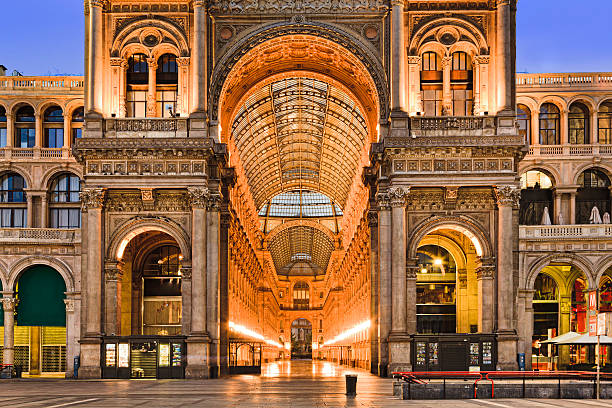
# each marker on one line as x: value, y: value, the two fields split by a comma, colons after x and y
x: 454, y: 352
x: 140, y: 357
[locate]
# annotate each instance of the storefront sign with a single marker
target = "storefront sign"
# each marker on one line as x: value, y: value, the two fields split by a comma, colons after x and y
x: 601, y: 324
x: 124, y: 355
x: 593, y: 325
x: 593, y: 300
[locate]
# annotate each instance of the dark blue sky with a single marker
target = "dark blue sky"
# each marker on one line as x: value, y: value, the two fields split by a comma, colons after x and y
x: 45, y: 37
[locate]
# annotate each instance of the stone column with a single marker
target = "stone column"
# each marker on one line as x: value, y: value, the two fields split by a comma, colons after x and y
x: 482, y: 74
x: 29, y: 209
x: 182, y: 91
x: 374, y: 291
x: 72, y: 302
x: 186, y: 299
x: 414, y: 87
x: 398, y: 57
x: 92, y: 201
x: 447, y: 96
x: 38, y: 129
x: 113, y: 275
x: 197, y: 357
x: 565, y: 308
x: 213, y: 262
x: 503, y: 59
x: 384, y: 279
x: 572, y: 219
x: 463, y: 312
x: 10, y: 130
x: 95, y: 58
x: 119, y: 68
x: 152, y: 93
x: 507, y: 199
x: 224, y: 237
x: 535, y: 128
x: 399, y: 339
x: 44, y: 217
x: 593, y: 129
x: 67, y: 128
x: 525, y: 328
x: 557, y: 209
x: 486, y: 296
x: 199, y: 59
x: 8, y: 304
x: 564, y: 136
x: 411, y: 311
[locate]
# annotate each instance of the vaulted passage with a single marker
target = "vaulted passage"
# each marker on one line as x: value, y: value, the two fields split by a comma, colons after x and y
x: 298, y: 242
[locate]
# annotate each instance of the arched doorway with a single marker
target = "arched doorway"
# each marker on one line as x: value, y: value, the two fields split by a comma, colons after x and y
x: 301, y: 339
x: 545, y: 319
x: 40, y: 318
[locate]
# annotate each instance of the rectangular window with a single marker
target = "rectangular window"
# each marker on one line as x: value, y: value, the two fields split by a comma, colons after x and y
x: 77, y: 133
x: 2, y: 137
x: 166, y: 102
x: 463, y: 104
x: 54, y: 138
x: 605, y: 129
x: 432, y: 102
x: 68, y: 218
x: 136, y: 104
x: 25, y: 137
x: 13, y: 218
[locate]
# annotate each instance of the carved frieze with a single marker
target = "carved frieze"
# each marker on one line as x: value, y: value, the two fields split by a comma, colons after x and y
x: 297, y: 6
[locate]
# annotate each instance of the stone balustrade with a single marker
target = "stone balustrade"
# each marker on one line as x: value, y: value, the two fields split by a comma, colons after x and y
x: 568, y: 232
x: 18, y: 153
x: 571, y: 150
x: 146, y: 127
x: 42, y: 83
x: 40, y: 236
x: 574, y: 80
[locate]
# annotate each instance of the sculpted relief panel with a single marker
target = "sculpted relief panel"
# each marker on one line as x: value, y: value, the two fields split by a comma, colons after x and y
x: 298, y: 6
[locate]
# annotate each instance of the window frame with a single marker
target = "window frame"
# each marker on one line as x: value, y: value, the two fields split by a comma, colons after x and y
x: 546, y: 118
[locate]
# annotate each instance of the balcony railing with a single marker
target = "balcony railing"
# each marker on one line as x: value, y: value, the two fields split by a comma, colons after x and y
x: 589, y: 231
x: 577, y: 80
x: 35, y: 153
x: 146, y: 127
x: 40, y: 235
x: 571, y: 150
x: 35, y: 83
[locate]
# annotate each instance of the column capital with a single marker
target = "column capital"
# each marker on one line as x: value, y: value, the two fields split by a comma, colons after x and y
x: 383, y: 201
x: 70, y: 305
x: 485, y: 272
x: 113, y: 272
x: 92, y: 198
x: 372, y: 219
x: 214, y: 202
x: 198, y: 196
x: 507, y: 195
x: 186, y: 272
x: 9, y: 303
x: 482, y: 59
x: 183, y: 61
x: 198, y: 3
x: 152, y: 64
x: 411, y: 272
x: 98, y: 3
x: 414, y: 60
x: 398, y: 196
x: 395, y: 3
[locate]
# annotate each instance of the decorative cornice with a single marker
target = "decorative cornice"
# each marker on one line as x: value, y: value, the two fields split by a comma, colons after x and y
x: 300, y: 6
x: 198, y: 196
x: 507, y: 196
x: 92, y: 198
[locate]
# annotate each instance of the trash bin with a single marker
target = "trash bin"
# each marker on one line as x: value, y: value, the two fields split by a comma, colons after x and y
x: 18, y: 370
x: 521, y: 361
x: 351, y: 384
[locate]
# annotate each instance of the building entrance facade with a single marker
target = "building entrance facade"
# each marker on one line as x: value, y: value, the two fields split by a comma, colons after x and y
x: 335, y: 182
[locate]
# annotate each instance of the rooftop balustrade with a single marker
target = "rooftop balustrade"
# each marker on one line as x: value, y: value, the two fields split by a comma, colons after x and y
x: 41, y: 83
x: 565, y: 80
x: 561, y: 232
x: 571, y: 150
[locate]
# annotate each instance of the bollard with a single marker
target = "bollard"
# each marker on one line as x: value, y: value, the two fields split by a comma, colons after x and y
x: 351, y: 384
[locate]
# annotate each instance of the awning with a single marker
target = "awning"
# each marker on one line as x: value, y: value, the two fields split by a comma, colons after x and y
x: 563, y: 337
x: 586, y: 339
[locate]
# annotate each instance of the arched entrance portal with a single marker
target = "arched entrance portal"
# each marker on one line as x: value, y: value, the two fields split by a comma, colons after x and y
x: 301, y: 339
x: 298, y: 113
x: 40, y: 321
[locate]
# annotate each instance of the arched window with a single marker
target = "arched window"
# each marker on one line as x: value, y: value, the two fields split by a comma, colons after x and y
x: 2, y: 126
x: 594, y: 191
x: 461, y: 84
x: 523, y: 117
x: 162, y: 302
x: 78, y: 117
x: 65, y: 207
x: 431, y: 84
x: 24, y: 127
x: 579, y: 124
x: 12, y: 201
x: 53, y: 125
x: 137, y: 86
x: 604, y: 118
x: 301, y: 296
x: 167, y: 85
x: 549, y: 125
x: 536, y: 195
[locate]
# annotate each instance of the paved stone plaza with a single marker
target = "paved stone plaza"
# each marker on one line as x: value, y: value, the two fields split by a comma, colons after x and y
x: 289, y: 384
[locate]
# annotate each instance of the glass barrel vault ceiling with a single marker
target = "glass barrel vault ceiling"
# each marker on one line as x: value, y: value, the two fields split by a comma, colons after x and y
x: 300, y: 203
